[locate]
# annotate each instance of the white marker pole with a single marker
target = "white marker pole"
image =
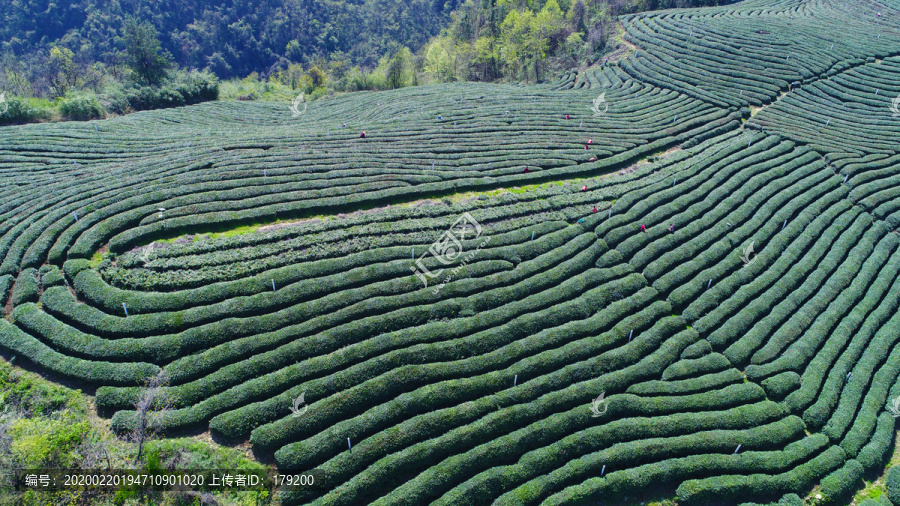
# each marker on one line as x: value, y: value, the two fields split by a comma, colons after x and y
x: 709, y: 284
x: 742, y: 92
x: 629, y: 335
x: 736, y: 450
x: 603, y: 470
x: 76, y: 216
x: 125, y: 308
x: 348, y: 445
x: 675, y: 181
x: 876, y: 91
x: 827, y: 122
x: 265, y: 173
x: 532, y: 235
x: 273, y: 285
x: 784, y: 225
x: 610, y: 213
x: 845, y: 178
x: 515, y: 380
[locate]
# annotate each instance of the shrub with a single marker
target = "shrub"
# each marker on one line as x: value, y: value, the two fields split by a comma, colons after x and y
x: 778, y: 386
x: 52, y: 277
x: 93, y: 372
x: 26, y: 287
x: 842, y: 482
x: 82, y: 108
x: 181, y: 88
x: 892, y: 482
x: 20, y: 111
x: 788, y: 500
x: 6, y: 281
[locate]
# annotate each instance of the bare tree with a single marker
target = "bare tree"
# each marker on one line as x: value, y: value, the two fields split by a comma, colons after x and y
x: 152, y: 407
x: 94, y: 452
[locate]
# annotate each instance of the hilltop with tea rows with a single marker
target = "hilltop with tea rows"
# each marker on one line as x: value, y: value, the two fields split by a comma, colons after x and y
x: 710, y: 240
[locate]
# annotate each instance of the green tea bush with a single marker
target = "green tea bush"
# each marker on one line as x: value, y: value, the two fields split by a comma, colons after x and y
x: 843, y: 482
x: 892, y: 483
x: 483, y: 388
x: 26, y: 287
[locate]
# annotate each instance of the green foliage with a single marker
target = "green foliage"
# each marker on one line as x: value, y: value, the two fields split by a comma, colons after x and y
x: 234, y: 40
x: 180, y: 88
x: 46, y: 443
x: 788, y: 500
x: 46, y: 425
x: 779, y: 386
x: 82, y: 108
x: 19, y: 110
x: 26, y: 394
x: 892, y: 482
x: 484, y: 388
x: 26, y: 287
x: 143, y: 51
x: 839, y: 484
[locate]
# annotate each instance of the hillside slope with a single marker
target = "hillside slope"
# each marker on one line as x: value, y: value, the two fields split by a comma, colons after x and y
x: 233, y: 38
x: 713, y: 252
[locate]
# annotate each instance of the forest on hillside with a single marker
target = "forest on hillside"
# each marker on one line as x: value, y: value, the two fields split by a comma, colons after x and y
x: 89, y: 59
x: 486, y: 39
x: 232, y: 38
